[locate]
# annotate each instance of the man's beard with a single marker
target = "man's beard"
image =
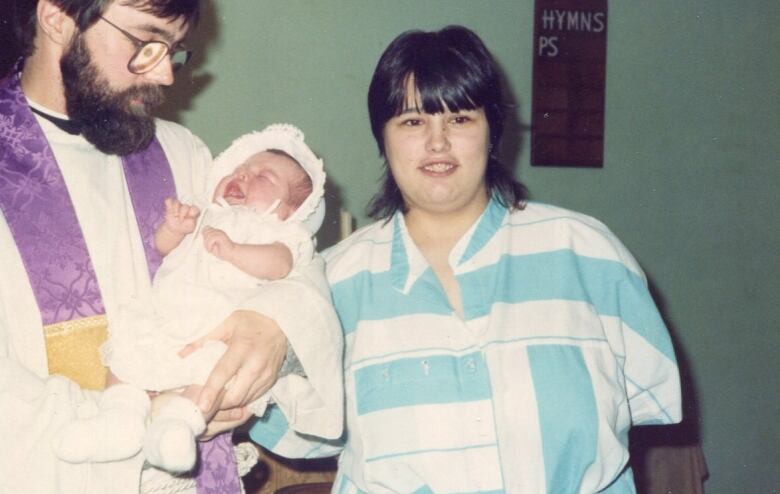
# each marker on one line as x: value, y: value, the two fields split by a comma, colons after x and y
x: 115, y: 122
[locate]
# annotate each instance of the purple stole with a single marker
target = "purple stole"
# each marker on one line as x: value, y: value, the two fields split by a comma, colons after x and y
x: 40, y: 215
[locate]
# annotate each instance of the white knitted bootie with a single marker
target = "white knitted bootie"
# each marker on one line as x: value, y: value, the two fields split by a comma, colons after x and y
x: 170, y: 439
x: 115, y: 433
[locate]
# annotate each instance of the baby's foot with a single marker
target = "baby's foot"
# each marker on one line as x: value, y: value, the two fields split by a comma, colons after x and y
x: 110, y: 436
x: 170, y: 445
x: 170, y: 439
x: 116, y: 432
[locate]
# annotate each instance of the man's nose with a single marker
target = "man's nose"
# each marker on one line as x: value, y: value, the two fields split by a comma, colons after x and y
x: 162, y: 73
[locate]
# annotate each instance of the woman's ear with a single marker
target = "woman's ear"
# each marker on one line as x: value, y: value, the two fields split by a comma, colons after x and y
x: 54, y: 23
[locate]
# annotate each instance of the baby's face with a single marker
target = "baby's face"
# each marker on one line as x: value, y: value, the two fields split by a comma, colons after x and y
x: 262, y: 179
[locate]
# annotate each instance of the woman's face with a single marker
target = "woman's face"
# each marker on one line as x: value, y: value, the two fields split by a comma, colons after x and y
x: 438, y: 160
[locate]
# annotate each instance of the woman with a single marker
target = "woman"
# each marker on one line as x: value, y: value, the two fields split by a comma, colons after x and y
x: 491, y: 344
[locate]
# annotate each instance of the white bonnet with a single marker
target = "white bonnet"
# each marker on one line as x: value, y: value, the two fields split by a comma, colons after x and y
x: 289, y: 139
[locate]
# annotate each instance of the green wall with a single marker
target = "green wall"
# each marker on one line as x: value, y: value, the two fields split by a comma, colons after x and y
x: 690, y: 181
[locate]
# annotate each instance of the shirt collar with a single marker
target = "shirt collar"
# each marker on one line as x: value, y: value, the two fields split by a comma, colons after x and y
x: 64, y: 124
x: 407, y: 263
x: 486, y: 227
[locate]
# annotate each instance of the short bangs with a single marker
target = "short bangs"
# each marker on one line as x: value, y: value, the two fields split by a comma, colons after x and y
x: 437, y: 93
x: 451, y: 70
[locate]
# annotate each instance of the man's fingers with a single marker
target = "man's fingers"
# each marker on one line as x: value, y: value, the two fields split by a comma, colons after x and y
x: 258, y: 389
x: 246, y: 371
x: 198, y: 395
x: 235, y: 393
x: 190, y: 348
x: 256, y: 351
x: 230, y: 414
x: 249, y: 379
x: 226, y: 368
x: 225, y: 420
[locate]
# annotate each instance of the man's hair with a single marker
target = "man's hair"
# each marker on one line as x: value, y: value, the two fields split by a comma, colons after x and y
x: 87, y: 12
x: 451, y: 69
x: 302, y: 188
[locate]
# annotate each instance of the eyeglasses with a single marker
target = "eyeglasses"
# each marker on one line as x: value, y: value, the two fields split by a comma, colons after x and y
x: 148, y: 54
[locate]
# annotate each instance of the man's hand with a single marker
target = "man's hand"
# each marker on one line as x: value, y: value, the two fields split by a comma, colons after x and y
x: 224, y: 421
x: 249, y: 367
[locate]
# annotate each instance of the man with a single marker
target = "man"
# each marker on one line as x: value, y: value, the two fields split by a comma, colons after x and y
x: 83, y: 169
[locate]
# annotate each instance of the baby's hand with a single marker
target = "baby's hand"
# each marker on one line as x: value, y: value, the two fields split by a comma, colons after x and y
x: 180, y: 218
x: 218, y: 243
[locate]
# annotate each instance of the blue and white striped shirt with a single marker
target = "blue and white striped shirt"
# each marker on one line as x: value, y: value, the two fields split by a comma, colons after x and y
x: 560, y: 350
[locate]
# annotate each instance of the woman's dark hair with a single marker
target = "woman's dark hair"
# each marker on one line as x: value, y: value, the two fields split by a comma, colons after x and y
x: 451, y: 69
x: 87, y: 12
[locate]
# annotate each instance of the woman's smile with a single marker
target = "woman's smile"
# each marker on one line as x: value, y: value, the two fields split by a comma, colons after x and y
x: 438, y: 167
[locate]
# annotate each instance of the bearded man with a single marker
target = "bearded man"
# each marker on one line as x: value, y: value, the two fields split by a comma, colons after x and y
x: 84, y: 170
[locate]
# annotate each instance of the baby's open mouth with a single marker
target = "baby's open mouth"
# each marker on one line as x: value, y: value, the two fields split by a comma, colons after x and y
x: 233, y: 191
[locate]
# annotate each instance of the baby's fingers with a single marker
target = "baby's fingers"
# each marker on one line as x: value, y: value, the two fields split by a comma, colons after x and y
x: 208, y: 235
x: 211, y: 240
x: 190, y: 211
x: 172, y: 206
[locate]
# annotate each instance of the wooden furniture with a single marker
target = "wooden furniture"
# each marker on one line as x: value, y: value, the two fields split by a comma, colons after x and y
x: 318, y: 488
x: 273, y: 474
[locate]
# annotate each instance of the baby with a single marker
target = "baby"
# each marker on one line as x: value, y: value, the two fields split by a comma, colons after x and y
x: 258, y: 229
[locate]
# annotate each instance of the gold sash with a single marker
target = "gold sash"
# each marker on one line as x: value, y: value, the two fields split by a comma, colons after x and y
x: 73, y: 350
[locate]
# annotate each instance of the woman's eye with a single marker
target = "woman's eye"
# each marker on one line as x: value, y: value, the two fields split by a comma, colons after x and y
x: 411, y: 122
x: 460, y: 119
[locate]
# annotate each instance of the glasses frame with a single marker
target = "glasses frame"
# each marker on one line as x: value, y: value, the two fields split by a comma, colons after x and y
x: 141, y: 44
